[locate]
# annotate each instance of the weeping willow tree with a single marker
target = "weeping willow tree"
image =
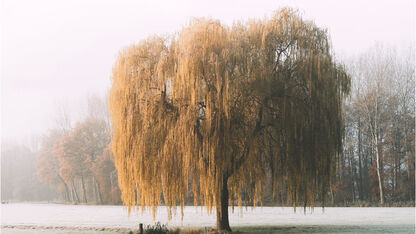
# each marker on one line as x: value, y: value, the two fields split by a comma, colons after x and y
x: 216, y: 110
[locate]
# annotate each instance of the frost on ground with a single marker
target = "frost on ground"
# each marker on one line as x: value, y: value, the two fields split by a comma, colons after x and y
x: 58, y: 218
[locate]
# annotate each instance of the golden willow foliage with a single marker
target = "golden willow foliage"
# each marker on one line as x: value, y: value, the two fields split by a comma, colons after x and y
x: 215, y: 105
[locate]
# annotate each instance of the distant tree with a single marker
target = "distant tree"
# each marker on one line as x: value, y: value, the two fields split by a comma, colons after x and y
x: 48, y: 166
x: 380, y: 125
x: 97, y: 108
x: 62, y: 117
x: 78, y: 151
x: 221, y: 108
x: 106, y: 175
x: 72, y: 164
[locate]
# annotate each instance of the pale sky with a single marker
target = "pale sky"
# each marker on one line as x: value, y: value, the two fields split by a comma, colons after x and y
x: 55, y: 52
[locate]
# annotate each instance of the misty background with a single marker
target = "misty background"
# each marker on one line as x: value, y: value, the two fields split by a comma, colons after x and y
x: 56, y: 53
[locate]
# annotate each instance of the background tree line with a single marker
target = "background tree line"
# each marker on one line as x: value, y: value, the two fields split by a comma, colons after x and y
x: 378, y: 164
x: 70, y: 164
x: 74, y: 163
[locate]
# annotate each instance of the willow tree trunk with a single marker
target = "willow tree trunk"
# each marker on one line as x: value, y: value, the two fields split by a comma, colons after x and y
x: 222, y: 211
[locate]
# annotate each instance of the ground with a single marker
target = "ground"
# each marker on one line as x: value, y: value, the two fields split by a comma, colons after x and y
x: 58, y: 218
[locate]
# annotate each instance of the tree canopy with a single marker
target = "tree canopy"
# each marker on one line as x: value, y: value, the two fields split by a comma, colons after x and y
x: 214, y: 109
x: 78, y: 159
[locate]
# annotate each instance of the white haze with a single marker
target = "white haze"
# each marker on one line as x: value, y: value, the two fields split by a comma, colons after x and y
x: 55, y: 52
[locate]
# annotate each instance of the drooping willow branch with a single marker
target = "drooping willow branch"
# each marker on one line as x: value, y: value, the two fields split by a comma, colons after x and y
x: 236, y: 104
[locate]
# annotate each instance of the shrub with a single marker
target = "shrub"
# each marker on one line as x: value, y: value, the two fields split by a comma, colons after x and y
x: 157, y: 229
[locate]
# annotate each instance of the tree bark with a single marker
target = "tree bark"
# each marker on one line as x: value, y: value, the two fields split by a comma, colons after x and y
x: 74, y: 190
x: 67, y: 198
x: 360, y: 193
x: 84, y: 193
x: 94, y: 189
x: 98, y: 189
x: 375, y: 135
x: 222, y: 211
x: 71, y: 196
x: 67, y: 191
x: 380, y: 184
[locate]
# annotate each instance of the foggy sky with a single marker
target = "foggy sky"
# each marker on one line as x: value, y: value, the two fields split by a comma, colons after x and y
x: 56, y: 52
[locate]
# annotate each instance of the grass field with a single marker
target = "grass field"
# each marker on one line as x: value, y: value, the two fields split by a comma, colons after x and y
x: 58, y: 218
